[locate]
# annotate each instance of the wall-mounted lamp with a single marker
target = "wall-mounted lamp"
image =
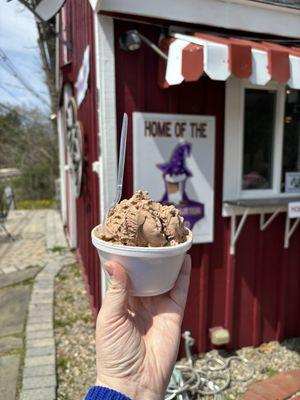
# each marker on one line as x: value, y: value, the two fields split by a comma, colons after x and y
x: 132, y: 40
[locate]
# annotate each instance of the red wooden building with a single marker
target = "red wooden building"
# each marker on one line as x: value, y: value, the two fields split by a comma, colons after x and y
x: 237, y: 61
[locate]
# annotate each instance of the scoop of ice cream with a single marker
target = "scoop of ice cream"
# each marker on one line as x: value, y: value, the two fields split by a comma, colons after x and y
x: 140, y: 221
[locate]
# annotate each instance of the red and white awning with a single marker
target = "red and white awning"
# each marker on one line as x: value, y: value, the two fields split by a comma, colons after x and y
x: 191, y: 56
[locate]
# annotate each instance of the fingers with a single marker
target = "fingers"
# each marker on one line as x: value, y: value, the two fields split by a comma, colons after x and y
x: 116, y: 298
x: 179, y: 293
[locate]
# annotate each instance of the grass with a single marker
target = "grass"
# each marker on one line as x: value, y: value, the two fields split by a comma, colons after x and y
x: 59, y: 323
x: 26, y: 281
x: 62, y: 278
x: 77, y: 272
x: 232, y: 396
x: 34, y: 266
x: 58, y: 249
x: 10, y: 352
x: 229, y: 396
x: 35, y: 204
x: 270, y: 372
x: 68, y: 297
x: 62, y: 363
x: 74, y: 268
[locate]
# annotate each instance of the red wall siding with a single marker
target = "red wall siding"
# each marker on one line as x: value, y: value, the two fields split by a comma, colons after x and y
x: 255, y: 294
x: 80, y: 16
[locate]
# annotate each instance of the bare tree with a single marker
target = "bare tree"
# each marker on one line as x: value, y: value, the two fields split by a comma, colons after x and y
x: 46, y: 41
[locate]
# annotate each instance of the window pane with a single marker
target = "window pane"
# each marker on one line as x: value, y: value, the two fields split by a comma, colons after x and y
x: 258, y: 139
x: 290, y: 180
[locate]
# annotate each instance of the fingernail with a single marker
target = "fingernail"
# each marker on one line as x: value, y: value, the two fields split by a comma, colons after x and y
x: 109, y: 269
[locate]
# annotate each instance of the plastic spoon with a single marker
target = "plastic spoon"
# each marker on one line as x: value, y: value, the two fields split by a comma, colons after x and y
x: 122, y: 152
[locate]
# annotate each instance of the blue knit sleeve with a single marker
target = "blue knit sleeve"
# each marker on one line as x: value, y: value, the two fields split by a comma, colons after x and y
x: 103, y: 393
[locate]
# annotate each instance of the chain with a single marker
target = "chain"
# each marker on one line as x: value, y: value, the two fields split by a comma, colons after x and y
x: 212, y: 378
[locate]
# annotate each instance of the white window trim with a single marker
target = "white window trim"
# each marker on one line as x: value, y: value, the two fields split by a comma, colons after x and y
x: 233, y: 142
x: 277, y: 145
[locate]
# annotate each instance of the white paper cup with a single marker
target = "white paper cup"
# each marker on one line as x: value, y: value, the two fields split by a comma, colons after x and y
x: 152, y: 270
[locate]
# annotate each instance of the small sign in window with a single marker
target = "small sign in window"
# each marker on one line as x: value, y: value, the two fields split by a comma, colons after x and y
x: 292, y: 182
x: 291, y: 143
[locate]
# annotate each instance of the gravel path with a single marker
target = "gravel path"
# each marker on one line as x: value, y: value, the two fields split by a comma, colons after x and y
x: 268, y: 360
x: 74, y: 335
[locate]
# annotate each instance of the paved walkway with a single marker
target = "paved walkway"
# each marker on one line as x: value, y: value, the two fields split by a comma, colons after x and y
x: 28, y: 227
x: 39, y: 250
x: 281, y: 387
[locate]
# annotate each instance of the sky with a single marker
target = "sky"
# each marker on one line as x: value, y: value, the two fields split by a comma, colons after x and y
x: 18, y: 39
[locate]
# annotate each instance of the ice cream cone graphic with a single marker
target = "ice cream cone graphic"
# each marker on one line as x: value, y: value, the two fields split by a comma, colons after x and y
x: 175, y: 174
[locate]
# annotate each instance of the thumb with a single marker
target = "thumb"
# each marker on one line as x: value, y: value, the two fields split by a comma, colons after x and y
x: 116, y: 298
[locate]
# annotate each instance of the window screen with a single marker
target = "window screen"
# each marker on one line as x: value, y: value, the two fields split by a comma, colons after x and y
x: 259, y: 115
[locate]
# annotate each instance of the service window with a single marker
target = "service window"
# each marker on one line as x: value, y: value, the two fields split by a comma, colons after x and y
x: 262, y: 141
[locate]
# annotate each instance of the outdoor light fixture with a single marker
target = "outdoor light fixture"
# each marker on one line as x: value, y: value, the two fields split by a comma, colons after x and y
x: 132, y: 40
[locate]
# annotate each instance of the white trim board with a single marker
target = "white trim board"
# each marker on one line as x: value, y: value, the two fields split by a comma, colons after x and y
x: 106, y: 167
x: 95, y: 4
x: 60, y: 133
x: 243, y: 15
x: 105, y: 64
x: 229, y: 210
x: 70, y: 186
x: 62, y: 163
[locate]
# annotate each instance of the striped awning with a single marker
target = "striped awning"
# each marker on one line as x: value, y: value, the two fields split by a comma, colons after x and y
x: 189, y: 57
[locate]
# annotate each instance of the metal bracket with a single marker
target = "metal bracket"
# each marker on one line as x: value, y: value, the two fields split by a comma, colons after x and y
x: 236, y: 230
x: 96, y: 167
x: 264, y: 223
x: 289, y: 230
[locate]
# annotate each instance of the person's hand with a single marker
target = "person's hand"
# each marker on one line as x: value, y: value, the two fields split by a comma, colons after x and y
x: 137, y: 338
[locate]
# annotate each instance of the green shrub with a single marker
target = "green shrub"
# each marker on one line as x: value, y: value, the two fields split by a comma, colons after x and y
x: 35, y: 204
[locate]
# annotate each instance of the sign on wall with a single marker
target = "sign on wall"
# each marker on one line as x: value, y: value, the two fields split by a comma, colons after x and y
x: 174, y: 157
x: 294, y: 209
x: 81, y: 83
x: 74, y: 144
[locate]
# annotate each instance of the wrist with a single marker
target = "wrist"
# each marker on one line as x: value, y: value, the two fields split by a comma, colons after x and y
x: 101, y: 393
x: 132, y: 390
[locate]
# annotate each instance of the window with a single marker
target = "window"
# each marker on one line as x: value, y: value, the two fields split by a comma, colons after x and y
x: 290, y: 178
x: 259, y: 113
x: 262, y: 141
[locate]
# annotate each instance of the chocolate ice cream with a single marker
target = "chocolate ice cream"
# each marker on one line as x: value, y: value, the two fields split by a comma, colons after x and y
x: 140, y: 221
